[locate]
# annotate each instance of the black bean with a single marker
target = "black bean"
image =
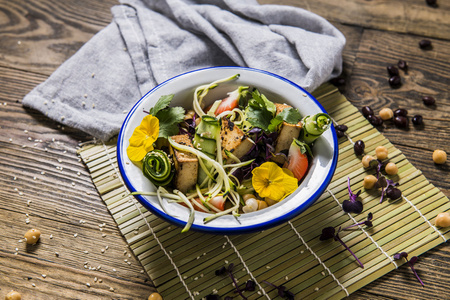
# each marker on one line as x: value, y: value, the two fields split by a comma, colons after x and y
x: 393, y: 193
x: 425, y: 44
x: 342, y: 128
x: 359, y: 147
x: 400, y: 112
x: 395, y: 81
x: 339, y: 133
x: 428, y: 100
x: 417, y: 120
x: 392, y: 70
x: 367, y: 111
x: 375, y: 120
x: 432, y: 3
x: 402, y: 65
x: 401, y: 122
x: 339, y: 81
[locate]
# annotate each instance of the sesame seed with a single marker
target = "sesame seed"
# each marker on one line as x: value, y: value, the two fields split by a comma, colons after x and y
x: 17, y: 249
x: 226, y: 262
x: 106, y: 248
x: 42, y: 173
x: 44, y: 276
x: 51, y: 236
x: 95, y: 279
x: 92, y: 75
x: 114, y: 270
x: 27, y: 221
x: 20, y: 193
x: 85, y: 95
x: 88, y: 284
x: 316, y: 289
x: 75, y: 235
x: 267, y: 267
x: 30, y: 139
x: 10, y: 140
x: 33, y: 285
x: 286, y: 278
x: 103, y: 250
x: 103, y: 235
x: 111, y: 289
x: 62, y: 118
x: 93, y: 105
x: 34, y: 178
x: 15, y: 178
x: 85, y: 252
x: 56, y: 254
x: 28, y: 202
x: 100, y: 280
x: 323, y: 273
x: 26, y: 131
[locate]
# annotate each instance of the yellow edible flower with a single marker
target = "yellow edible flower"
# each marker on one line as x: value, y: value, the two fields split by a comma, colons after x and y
x: 141, y: 142
x: 271, y: 181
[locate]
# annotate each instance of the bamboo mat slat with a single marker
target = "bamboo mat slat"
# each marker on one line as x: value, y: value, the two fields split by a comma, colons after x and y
x: 183, y: 266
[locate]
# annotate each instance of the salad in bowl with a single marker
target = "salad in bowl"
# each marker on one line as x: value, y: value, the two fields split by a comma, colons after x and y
x: 240, y: 151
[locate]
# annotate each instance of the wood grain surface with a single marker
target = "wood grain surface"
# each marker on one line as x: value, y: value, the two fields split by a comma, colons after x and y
x: 43, y: 184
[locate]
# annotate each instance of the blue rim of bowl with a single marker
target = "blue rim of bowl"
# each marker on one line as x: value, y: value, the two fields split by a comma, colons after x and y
x: 235, y: 230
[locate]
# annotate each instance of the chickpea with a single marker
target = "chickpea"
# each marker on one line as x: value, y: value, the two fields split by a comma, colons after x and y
x: 391, y: 169
x: 442, y: 220
x: 386, y: 114
x: 262, y: 205
x: 189, y: 114
x: 270, y: 202
x: 439, y: 157
x: 32, y: 236
x: 155, y: 296
x: 381, y: 152
x: 13, y: 295
x: 248, y: 196
x: 366, y: 160
x: 369, y: 182
x: 251, y: 205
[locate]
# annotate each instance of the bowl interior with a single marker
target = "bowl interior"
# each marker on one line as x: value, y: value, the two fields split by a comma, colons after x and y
x: 277, y: 89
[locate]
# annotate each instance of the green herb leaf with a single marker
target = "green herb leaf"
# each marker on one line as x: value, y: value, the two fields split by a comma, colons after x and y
x: 168, y: 121
x: 290, y: 115
x: 262, y: 101
x: 258, y: 117
x: 161, y: 104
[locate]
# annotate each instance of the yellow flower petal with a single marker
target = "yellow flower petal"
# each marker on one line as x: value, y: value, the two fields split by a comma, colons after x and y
x: 143, y: 137
x: 269, y: 180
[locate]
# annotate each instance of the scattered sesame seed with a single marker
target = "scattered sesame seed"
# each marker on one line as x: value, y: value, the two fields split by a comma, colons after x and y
x: 62, y: 118
x: 45, y: 102
x: 53, y: 100
x: 114, y: 270
x: 85, y: 266
x: 286, y: 278
x: 93, y: 105
x: 85, y: 252
x: 125, y: 111
x: 111, y: 289
x: 73, y: 183
x: 75, y: 235
x: 51, y: 236
x: 56, y: 254
x: 28, y: 202
x: 316, y: 289
x: 17, y: 249
x: 323, y: 273
x: 27, y: 221
x: 226, y: 262
x: 129, y: 263
x: 301, y: 252
x: 15, y: 178
x: 30, y: 139
x: 20, y: 193
x: 33, y: 285
x: 92, y: 75
x: 83, y: 103
x: 34, y: 178
x: 85, y: 95
x: 195, y: 278
x: 100, y: 280
x: 26, y: 131
x: 95, y: 279
x: 103, y: 235
x: 44, y: 276
x: 267, y: 267
x: 24, y: 146
x: 103, y: 250
x: 88, y: 284
x: 106, y: 248
x: 20, y: 241
x: 78, y: 173
x: 99, y: 267
x: 10, y: 140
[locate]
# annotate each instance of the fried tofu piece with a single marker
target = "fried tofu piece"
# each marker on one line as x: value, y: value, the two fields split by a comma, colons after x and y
x: 234, y: 140
x: 186, y: 165
x: 286, y: 135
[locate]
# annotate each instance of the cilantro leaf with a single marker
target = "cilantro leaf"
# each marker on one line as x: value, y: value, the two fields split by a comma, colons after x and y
x: 161, y: 104
x: 290, y: 115
x: 262, y: 101
x: 258, y: 117
x: 168, y: 121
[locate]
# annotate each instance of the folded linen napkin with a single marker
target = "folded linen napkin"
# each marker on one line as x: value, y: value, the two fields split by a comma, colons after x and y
x: 150, y: 41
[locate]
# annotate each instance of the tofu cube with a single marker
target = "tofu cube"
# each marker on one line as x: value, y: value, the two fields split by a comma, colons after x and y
x: 186, y: 165
x: 234, y: 140
x: 286, y: 134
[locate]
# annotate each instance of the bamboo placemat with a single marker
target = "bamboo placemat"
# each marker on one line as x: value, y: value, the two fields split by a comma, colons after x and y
x: 182, y: 266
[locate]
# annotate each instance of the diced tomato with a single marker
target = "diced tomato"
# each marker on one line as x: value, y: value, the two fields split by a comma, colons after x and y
x: 297, y: 160
x: 218, y: 202
x: 228, y: 104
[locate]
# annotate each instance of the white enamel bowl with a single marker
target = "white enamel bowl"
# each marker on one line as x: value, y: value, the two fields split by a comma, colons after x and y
x: 276, y: 88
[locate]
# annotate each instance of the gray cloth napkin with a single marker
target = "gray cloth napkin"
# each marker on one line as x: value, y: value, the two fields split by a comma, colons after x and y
x: 150, y: 41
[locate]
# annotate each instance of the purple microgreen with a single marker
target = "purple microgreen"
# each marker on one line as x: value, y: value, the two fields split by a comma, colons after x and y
x: 410, y: 262
x: 329, y: 232
x: 352, y: 205
x: 385, y: 185
x: 229, y: 270
x: 367, y: 222
x: 282, y: 292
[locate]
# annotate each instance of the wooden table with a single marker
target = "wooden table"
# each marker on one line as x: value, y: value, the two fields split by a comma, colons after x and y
x: 43, y: 184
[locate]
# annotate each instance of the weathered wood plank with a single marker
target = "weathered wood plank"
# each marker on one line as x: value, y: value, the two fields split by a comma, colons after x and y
x: 38, y: 36
x: 414, y: 16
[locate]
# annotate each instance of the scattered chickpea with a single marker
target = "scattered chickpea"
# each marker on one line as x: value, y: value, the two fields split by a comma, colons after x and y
x: 369, y: 182
x: 32, y: 236
x: 366, y: 160
x: 248, y: 196
x: 442, y: 219
x: 391, y: 168
x: 155, y: 296
x: 381, y: 152
x: 13, y: 295
x: 386, y: 114
x: 439, y: 157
